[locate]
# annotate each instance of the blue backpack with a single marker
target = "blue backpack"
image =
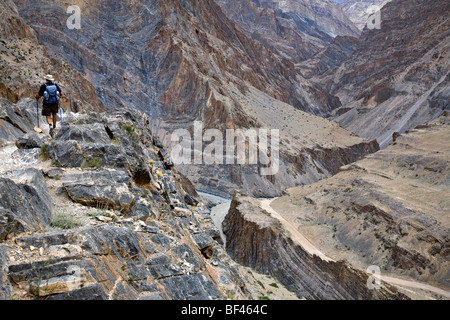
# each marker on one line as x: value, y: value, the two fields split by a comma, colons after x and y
x: 51, y: 94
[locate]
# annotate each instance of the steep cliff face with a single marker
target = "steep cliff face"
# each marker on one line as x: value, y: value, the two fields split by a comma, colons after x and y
x: 179, y: 52
x: 338, y: 51
x: 258, y: 240
x: 24, y: 63
x: 398, y: 76
x: 181, y: 61
x: 297, y: 29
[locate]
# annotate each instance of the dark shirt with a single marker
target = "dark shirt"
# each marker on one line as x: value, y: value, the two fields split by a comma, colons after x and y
x: 44, y: 87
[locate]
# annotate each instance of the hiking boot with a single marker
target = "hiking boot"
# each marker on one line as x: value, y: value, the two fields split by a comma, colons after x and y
x: 52, y: 132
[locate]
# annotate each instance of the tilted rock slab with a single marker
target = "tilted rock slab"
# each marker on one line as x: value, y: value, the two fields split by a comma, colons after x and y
x: 25, y: 202
x: 115, y: 263
x: 105, y: 189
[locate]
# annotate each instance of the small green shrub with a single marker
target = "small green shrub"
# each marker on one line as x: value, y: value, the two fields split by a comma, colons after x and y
x: 44, y: 153
x: 95, y: 163
x: 56, y: 163
x: 64, y: 221
x: 261, y: 284
x: 83, y: 164
x: 129, y: 130
x: 95, y: 213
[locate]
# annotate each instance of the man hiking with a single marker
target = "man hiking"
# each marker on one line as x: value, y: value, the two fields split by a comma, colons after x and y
x: 51, y: 93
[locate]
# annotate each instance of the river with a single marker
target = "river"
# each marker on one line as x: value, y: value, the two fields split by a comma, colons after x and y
x: 219, y: 211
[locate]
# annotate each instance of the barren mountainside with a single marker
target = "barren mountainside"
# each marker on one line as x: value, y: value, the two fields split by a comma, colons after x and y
x: 297, y: 29
x: 396, y: 77
x: 390, y: 209
x: 24, y: 62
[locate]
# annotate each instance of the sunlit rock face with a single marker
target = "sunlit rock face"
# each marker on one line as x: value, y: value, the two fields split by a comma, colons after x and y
x: 396, y: 77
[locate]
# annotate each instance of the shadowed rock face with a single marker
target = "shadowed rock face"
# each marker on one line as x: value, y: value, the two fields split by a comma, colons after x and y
x: 257, y: 240
x: 25, y: 202
x: 5, y: 285
x: 397, y: 77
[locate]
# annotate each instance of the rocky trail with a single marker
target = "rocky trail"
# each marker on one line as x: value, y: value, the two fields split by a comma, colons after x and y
x: 294, y: 233
x: 99, y: 212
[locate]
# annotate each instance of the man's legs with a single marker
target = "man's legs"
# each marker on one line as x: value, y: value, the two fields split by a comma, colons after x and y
x: 49, y: 120
x: 51, y: 114
x: 52, y: 119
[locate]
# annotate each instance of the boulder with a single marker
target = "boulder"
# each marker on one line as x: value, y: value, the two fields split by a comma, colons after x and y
x: 162, y: 266
x: 30, y: 141
x: 13, y: 123
x: 25, y: 194
x: 147, y: 204
x: 191, y: 287
x: 203, y: 240
x: 190, y: 200
x: 105, y: 189
x: 9, y: 224
x: 75, y: 154
x: 92, y: 133
x: 55, y: 173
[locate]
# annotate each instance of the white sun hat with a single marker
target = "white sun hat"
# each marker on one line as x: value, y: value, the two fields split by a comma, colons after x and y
x: 49, y: 77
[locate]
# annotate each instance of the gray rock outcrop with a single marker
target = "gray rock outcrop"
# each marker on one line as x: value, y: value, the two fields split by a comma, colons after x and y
x: 126, y: 231
x: 106, y: 262
x: 25, y: 202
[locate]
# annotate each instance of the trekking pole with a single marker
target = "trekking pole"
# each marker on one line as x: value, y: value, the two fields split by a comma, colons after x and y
x: 60, y: 112
x: 37, y: 112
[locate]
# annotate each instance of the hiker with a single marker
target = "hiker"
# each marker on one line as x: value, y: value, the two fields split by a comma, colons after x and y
x: 51, y: 93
